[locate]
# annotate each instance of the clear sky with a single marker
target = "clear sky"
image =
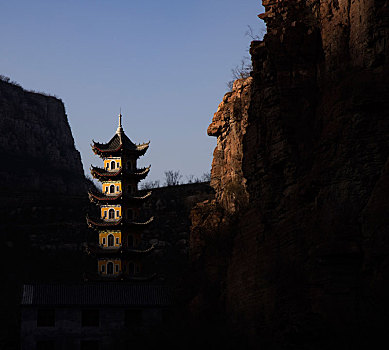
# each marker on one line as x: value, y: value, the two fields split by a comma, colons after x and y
x: 164, y: 63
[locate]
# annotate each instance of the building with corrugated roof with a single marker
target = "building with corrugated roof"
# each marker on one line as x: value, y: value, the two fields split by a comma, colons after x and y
x: 91, y: 315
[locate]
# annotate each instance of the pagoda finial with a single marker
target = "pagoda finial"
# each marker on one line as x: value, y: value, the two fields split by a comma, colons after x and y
x: 120, y: 129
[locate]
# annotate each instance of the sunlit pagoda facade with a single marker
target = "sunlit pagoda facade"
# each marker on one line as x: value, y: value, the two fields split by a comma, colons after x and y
x: 119, y: 248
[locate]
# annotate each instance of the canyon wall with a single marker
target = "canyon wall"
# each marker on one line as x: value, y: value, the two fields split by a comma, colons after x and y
x: 43, y: 198
x: 301, y: 178
x: 36, y: 143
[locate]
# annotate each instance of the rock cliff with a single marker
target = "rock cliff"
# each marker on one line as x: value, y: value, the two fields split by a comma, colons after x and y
x: 36, y: 143
x: 306, y: 138
x: 43, y: 198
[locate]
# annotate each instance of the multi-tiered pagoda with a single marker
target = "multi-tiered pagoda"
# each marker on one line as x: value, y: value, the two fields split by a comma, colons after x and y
x: 120, y: 247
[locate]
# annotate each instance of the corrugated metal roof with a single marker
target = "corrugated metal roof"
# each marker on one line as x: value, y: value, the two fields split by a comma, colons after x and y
x: 97, y: 294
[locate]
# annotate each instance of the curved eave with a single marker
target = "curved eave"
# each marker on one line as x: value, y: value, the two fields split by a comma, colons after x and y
x: 141, y: 149
x: 133, y: 223
x: 121, y: 251
x: 98, y: 150
x: 98, y: 198
x: 101, y: 198
x: 96, y: 223
x: 138, y: 278
x: 140, y: 174
x: 102, y: 174
x: 103, y: 150
x: 120, y: 277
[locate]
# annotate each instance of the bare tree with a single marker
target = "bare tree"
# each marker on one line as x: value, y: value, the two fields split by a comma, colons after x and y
x: 240, y: 71
x: 254, y: 36
x: 172, y: 178
x: 190, y: 179
x: 149, y: 185
x: 206, y: 177
x: 245, y: 67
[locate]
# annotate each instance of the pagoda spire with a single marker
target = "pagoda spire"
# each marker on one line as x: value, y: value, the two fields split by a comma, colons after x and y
x: 120, y: 129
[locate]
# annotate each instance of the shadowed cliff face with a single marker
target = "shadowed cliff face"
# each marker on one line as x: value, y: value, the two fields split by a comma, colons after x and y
x: 36, y: 143
x: 43, y: 199
x: 308, y: 263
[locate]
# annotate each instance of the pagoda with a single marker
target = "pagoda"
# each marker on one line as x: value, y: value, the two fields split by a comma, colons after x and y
x: 120, y: 248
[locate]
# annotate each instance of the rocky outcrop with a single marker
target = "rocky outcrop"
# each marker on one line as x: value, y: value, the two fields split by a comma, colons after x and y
x: 36, y: 143
x: 229, y: 126
x: 307, y: 262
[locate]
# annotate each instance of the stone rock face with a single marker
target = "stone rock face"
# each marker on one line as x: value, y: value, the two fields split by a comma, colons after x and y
x: 307, y: 264
x: 43, y: 198
x: 36, y: 143
x: 229, y: 126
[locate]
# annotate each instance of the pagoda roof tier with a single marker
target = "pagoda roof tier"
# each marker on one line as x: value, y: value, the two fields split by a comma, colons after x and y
x: 97, y: 223
x: 97, y: 250
x: 99, y: 197
x: 119, y: 143
x: 102, y: 174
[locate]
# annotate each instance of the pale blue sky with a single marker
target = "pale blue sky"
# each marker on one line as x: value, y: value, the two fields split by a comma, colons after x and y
x: 165, y: 63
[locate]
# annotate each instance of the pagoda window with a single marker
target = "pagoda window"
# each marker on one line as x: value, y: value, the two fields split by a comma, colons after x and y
x: 103, y: 240
x: 117, y: 189
x: 110, y: 268
x: 102, y: 268
x: 118, y: 165
x: 113, y: 165
x: 112, y: 189
x: 117, y: 240
x: 116, y: 268
x: 111, y: 214
x: 117, y: 213
x: 110, y: 241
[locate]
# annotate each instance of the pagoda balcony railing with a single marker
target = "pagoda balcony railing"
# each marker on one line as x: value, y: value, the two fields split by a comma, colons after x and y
x: 112, y: 170
x: 112, y: 247
x: 111, y: 220
x: 109, y: 194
